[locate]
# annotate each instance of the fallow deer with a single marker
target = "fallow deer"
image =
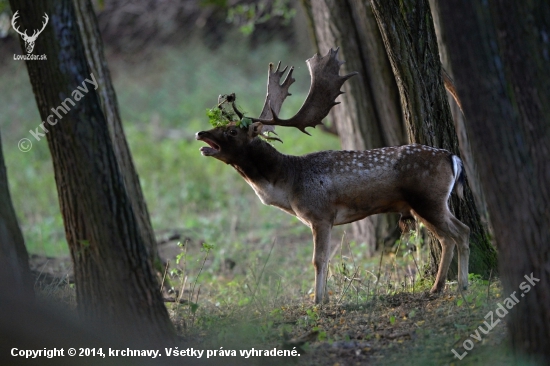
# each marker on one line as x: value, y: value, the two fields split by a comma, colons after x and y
x: 330, y: 188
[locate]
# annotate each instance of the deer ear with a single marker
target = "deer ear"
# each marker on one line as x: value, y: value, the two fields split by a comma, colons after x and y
x: 255, y: 129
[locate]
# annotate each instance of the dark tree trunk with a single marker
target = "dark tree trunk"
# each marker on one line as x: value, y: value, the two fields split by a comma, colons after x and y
x: 37, y: 325
x: 408, y: 32
x: 458, y: 117
x: 370, y: 114
x: 93, y: 47
x: 15, y: 275
x: 500, y: 52
x: 115, y: 282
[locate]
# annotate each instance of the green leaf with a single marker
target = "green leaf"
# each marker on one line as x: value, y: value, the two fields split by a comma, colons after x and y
x: 244, y: 301
x: 207, y: 247
x: 216, y: 117
x: 194, y: 307
x: 392, y: 319
x: 245, y: 122
x: 247, y: 29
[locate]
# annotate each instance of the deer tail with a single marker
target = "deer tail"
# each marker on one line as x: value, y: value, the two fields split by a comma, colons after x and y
x: 458, y: 171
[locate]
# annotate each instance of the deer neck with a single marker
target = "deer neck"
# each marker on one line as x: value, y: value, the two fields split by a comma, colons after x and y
x: 262, y: 163
x: 268, y: 172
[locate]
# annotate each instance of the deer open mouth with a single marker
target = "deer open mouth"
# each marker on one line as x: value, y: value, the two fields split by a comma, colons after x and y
x: 209, y: 150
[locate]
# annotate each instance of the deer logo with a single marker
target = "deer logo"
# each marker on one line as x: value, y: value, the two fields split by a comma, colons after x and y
x: 29, y: 40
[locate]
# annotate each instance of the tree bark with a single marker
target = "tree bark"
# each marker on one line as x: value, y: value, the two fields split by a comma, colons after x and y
x: 500, y: 52
x: 472, y: 170
x: 93, y: 47
x: 115, y: 283
x: 370, y: 114
x: 15, y: 275
x: 408, y: 32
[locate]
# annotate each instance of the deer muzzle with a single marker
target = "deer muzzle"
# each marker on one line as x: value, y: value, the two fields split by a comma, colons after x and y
x: 210, y: 150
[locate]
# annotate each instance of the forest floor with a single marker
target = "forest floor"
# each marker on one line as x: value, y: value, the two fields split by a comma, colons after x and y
x: 364, y: 323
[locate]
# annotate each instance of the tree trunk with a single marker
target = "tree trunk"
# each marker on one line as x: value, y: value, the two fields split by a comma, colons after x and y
x: 15, y: 275
x: 93, y: 47
x: 370, y: 114
x: 114, y: 280
x: 409, y: 35
x: 458, y: 117
x: 499, y: 51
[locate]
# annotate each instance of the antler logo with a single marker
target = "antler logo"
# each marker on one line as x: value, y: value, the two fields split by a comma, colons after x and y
x: 29, y: 40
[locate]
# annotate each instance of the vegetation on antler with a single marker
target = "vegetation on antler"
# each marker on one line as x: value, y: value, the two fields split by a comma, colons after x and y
x: 216, y: 118
x: 221, y: 115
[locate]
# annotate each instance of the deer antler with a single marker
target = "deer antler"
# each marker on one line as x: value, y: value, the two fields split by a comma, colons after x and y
x: 325, y: 88
x: 276, y: 92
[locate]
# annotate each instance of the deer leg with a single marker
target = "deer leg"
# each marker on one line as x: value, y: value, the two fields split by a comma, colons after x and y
x: 441, y: 228
x: 462, y: 237
x: 321, y: 252
x: 447, y: 251
x: 453, y: 230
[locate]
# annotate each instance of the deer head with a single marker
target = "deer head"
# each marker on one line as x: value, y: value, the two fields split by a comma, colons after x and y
x: 228, y: 141
x: 29, y: 40
x: 330, y: 188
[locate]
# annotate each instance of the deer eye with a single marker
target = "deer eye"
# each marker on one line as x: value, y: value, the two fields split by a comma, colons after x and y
x: 233, y: 132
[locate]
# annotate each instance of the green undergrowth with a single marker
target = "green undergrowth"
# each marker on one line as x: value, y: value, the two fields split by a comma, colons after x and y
x: 263, y: 278
x: 386, y: 323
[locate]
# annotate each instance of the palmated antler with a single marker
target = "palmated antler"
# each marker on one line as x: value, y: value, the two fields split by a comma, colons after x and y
x: 325, y: 88
x: 276, y: 91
